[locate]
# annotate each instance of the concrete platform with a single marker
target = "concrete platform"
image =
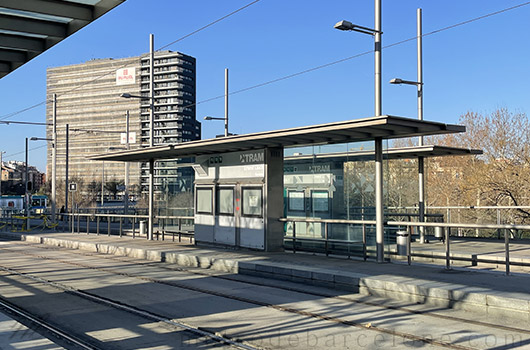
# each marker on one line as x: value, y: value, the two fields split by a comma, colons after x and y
x: 490, y: 292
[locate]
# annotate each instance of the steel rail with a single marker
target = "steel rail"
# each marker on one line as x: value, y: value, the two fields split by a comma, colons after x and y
x: 366, y: 326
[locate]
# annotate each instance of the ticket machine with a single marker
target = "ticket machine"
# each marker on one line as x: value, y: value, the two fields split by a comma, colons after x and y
x: 239, y: 199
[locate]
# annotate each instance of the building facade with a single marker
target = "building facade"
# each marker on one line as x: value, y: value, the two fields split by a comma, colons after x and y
x: 89, y: 101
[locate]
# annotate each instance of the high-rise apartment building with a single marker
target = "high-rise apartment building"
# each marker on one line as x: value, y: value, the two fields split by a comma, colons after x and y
x: 88, y: 100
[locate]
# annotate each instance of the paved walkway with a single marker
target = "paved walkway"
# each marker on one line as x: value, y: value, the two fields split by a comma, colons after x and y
x: 488, y: 291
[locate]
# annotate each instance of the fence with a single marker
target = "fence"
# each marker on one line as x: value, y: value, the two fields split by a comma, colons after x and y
x: 179, y: 226
x: 367, y: 225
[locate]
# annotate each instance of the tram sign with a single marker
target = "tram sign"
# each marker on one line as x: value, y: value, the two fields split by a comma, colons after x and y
x: 72, y: 187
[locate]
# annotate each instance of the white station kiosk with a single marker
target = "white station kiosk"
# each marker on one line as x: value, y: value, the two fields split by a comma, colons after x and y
x: 239, y: 199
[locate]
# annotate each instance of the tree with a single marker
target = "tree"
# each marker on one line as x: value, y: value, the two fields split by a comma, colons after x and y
x: 498, y: 177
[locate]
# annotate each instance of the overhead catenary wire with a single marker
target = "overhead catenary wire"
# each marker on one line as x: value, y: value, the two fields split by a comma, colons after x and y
x: 125, y: 64
x: 306, y: 70
x: 22, y: 152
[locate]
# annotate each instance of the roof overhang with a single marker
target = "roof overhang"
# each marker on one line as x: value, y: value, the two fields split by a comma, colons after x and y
x: 30, y: 27
x: 391, y: 153
x: 386, y: 127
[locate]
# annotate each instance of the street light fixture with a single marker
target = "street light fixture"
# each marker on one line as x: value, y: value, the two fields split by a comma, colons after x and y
x: 398, y: 81
x: 346, y: 25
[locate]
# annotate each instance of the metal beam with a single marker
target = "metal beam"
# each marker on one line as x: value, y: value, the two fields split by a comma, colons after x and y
x: 22, y: 43
x: 32, y: 26
x: 64, y: 9
x: 13, y: 56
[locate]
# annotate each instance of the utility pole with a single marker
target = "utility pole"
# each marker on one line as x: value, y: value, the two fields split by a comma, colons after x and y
x: 102, y: 183
x: 421, y: 160
x: 151, y: 209
x: 226, y: 102
x: 1, y: 170
x: 66, y: 171
x: 379, y: 204
x: 54, y: 159
x: 126, y: 192
x: 27, y: 189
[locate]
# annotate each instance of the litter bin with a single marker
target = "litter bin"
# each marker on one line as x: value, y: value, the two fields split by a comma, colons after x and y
x: 402, y: 238
x: 438, y: 232
x: 142, y: 227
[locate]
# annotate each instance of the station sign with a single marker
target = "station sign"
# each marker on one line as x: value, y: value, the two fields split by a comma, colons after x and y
x: 72, y: 187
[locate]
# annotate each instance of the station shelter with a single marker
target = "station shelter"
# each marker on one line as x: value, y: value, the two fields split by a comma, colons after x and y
x: 244, y: 184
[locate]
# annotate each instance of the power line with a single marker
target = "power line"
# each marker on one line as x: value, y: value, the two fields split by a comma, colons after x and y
x: 306, y: 70
x: 31, y: 149
x: 360, y: 54
x: 210, y: 24
x: 125, y: 64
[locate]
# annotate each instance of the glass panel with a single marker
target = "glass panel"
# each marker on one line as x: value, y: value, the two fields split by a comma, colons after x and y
x: 252, y: 202
x: 225, y: 201
x: 296, y: 200
x: 320, y: 201
x: 204, y: 201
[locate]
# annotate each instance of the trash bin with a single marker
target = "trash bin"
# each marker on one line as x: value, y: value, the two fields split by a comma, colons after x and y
x: 142, y: 227
x: 402, y: 238
x: 438, y: 232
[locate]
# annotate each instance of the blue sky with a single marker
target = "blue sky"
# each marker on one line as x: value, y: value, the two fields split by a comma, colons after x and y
x: 477, y: 67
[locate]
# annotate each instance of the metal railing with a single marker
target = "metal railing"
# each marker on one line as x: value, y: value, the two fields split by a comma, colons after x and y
x: 125, y: 224
x: 474, y: 259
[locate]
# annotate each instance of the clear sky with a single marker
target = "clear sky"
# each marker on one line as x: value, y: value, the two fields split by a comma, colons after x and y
x: 480, y: 66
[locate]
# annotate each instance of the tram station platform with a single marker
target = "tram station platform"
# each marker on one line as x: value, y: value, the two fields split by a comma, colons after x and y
x: 461, y: 288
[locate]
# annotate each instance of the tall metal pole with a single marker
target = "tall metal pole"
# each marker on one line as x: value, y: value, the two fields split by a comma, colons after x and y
x: 102, y: 183
x: 226, y: 102
x: 151, y: 135
x: 421, y: 161
x: 151, y: 90
x: 27, y: 189
x: 1, y: 171
x: 126, y: 192
x: 54, y: 159
x: 379, y: 219
x: 66, y: 169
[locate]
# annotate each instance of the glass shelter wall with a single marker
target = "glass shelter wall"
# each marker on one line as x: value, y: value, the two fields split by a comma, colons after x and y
x: 338, y: 182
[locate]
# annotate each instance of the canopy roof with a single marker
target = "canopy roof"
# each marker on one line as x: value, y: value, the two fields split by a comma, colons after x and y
x: 30, y: 27
x: 386, y: 127
x: 391, y: 153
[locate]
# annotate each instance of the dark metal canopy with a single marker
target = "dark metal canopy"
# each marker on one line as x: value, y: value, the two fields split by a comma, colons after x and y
x: 386, y: 127
x: 391, y: 153
x: 30, y: 27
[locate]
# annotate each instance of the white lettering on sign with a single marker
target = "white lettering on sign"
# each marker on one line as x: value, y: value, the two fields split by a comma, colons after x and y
x: 251, y: 158
x: 126, y: 76
x: 320, y: 168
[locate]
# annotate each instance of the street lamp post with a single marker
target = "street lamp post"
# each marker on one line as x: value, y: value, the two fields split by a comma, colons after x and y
x: 226, y: 106
x: 376, y: 33
x: 421, y: 160
x: 26, y: 192
x: 151, y: 98
x: 1, y: 170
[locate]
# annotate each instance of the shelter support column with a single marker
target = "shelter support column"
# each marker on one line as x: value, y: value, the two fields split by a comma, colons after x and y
x: 421, y: 201
x: 151, y: 199
x: 379, y: 217
x: 274, y: 208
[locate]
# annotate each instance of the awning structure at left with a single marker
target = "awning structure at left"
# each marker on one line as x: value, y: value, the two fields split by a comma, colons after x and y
x: 30, y: 27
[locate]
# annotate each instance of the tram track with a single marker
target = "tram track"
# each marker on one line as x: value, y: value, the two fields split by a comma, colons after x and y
x: 309, y: 314
x: 116, y: 304
x: 51, y: 330
x: 280, y: 287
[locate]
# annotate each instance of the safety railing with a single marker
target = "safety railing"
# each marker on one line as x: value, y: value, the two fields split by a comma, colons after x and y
x: 397, y: 225
x: 176, y: 226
